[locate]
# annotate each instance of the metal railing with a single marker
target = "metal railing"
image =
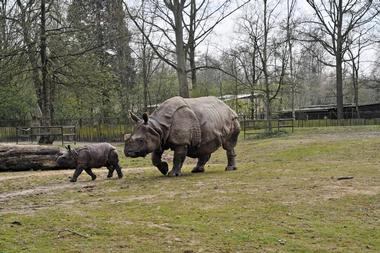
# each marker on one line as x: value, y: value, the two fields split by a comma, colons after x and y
x: 30, y: 133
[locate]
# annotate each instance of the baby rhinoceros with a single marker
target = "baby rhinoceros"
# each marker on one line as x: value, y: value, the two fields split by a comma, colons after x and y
x: 91, y: 156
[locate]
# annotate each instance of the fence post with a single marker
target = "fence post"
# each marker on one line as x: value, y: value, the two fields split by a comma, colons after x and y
x: 62, y: 134
x: 292, y: 125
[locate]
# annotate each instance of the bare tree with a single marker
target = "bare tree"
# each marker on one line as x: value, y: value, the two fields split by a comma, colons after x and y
x: 248, y: 56
x: 266, y: 52
x: 354, y: 54
x: 184, y: 24
x: 334, y: 22
x: 200, y: 22
x: 39, y: 68
x: 290, y: 8
x: 145, y: 55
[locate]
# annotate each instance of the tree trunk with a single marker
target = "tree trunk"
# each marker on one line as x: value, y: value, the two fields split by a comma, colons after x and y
x: 357, y: 101
x: 355, y: 82
x: 268, y: 113
x: 27, y: 157
x: 193, y: 67
x: 46, y: 103
x: 180, y: 50
x: 191, y: 43
x: 252, y: 100
x: 3, y: 25
x: 145, y: 73
x: 268, y: 101
x: 339, y: 61
x: 30, y: 51
x: 339, y: 87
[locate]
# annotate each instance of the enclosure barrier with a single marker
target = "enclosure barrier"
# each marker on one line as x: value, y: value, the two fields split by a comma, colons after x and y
x: 113, y: 131
x: 251, y: 126
x: 31, y: 133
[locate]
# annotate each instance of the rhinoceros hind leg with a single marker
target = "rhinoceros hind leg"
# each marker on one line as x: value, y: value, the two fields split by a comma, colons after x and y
x: 113, y: 164
x: 202, y: 160
x: 118, y: 170
x: 89, y: 172
x: 231, y: 165
x: 110, y: 171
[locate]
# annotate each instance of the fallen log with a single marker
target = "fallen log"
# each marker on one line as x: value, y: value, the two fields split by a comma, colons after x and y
x: 28, y: 157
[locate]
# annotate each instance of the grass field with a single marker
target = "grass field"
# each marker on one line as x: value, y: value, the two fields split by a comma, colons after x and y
x: 285, y: 197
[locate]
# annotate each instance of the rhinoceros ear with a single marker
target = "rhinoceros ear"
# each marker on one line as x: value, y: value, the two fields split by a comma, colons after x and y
x: 68, y: 148
x: 126, y: 137
x: 134, y: 117
x: 145, y: 118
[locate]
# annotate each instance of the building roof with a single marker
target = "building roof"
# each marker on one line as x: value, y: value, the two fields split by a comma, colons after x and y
x: 312, y: 108
x: 239, y: 96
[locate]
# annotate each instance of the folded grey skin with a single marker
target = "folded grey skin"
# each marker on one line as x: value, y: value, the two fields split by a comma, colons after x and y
x: 88, y: 157
x: 194, y: 127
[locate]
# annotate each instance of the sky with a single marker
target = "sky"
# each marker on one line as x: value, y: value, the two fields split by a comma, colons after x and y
x: 226, y: 33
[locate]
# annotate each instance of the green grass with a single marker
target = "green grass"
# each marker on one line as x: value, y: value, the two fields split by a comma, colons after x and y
x: 285, y: 197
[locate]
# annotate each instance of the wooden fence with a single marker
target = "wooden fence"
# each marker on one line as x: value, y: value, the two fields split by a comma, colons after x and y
x: 256, y: 127
x: 33, y: 133
x: 98, y: 133
x: 115, y: 132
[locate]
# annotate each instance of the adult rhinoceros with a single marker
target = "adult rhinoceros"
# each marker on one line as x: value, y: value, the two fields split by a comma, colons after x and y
x: 194, y: 127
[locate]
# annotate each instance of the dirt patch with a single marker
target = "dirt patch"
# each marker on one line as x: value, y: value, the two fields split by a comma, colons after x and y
x: 339, y: 191
x: 39, y: 190
x: 47, y: 188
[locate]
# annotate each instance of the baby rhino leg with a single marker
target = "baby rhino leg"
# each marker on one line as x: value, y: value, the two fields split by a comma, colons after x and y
x: 110, y: 171
x: 114, y: 162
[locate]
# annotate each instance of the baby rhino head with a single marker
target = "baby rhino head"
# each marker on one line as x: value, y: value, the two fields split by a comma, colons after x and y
x: 67, y: 158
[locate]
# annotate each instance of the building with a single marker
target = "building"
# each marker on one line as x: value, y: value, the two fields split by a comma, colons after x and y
x: 367, y: 111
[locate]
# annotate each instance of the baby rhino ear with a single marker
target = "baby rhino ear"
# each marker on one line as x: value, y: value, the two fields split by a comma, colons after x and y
x: 145, y: 118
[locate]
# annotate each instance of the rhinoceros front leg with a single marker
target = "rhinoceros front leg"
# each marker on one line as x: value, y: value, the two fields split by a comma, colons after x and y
x: 161, y: 165
x: 202, y: 160
x: 76, y: 174
x: 231, y: 165
x: 180, y: 153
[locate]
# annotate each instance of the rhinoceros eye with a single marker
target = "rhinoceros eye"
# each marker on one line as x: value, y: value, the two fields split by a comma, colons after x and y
x: 140, y: 140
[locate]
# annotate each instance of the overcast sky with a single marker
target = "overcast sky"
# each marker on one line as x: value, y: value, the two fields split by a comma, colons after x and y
x: 226, y: 33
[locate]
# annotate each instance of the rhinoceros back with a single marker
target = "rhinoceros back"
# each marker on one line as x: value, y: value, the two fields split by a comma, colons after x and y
x: 164, y: 117
x: 216, y: 119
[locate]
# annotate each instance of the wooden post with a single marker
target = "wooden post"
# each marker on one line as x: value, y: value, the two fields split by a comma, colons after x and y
x: 62, y: 134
